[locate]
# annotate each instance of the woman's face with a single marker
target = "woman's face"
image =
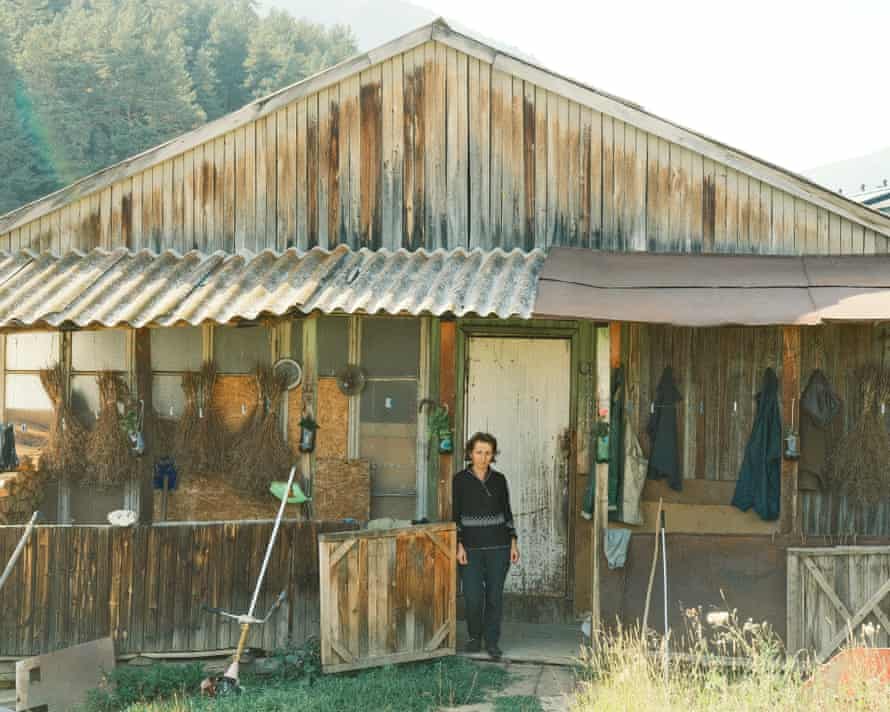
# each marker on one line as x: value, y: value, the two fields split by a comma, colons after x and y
x: 481, y: 455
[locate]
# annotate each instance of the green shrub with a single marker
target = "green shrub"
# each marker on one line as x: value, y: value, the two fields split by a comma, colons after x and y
x: 128, y: 685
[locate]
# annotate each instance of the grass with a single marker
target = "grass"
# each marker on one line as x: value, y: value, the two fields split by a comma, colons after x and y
x: 418, y: 687
x: 517, y: 703
x: 626, y: 673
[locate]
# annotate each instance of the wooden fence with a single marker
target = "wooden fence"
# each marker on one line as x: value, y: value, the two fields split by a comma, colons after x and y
x: 145, y: 585
x: 387, y: 596
x: 834, y: 594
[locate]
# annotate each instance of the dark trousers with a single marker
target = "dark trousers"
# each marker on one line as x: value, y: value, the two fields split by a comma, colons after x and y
x: 483, y: 586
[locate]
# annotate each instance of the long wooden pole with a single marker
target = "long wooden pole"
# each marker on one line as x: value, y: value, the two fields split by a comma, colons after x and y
x: 608, y: 349
x: 789, y: 515
x: 18, y: 549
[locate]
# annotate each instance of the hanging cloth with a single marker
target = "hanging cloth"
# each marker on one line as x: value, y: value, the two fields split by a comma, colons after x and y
x: 616, y: 444
x: 819, y: 430
x: 664, y: 456
x: 8, y: 458
x: 635, y: 466
x: 615, y: 544
x: 759, y: 480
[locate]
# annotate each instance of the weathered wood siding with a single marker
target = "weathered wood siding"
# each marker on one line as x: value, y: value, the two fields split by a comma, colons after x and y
x: 833, y: 593
x: 144, y: 586
x: 437, y: 148
x: 387, y: 596
x: 839, y: 350
x: 718, y: 371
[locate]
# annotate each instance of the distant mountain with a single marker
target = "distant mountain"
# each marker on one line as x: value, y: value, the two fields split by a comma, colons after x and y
x: 850, y: 175
x: 375, y: 22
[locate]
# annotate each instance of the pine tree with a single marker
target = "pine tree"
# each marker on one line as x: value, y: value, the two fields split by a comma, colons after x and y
x: 23, y: 175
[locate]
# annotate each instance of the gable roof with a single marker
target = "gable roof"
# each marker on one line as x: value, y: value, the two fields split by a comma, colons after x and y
x: 440, y: 31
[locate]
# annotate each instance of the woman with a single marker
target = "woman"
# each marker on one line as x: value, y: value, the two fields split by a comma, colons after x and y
x: 486, y: 541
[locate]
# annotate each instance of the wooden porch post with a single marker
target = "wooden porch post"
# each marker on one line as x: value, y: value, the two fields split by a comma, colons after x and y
x: 447, y: 396
x: 143, y: 389
x: 608, y: 352
x: 789, y: 516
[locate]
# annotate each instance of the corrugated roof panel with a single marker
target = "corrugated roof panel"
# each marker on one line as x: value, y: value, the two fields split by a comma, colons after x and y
x: 121, y: 287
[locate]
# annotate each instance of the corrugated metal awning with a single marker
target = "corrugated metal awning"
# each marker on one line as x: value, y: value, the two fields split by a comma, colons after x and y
x: 713, y: 290
x: 125, y: 288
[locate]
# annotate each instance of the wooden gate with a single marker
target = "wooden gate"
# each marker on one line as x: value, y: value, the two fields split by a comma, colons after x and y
x: 834, y: 594
x: 387, y: 596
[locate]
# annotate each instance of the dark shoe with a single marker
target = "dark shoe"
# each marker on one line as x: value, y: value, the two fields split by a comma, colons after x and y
x: 474, y: 645
x: 495, y: 652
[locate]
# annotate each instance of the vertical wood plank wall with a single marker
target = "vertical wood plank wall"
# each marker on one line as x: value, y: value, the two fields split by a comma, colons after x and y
x: 435, y: 148
x: 145, y: 586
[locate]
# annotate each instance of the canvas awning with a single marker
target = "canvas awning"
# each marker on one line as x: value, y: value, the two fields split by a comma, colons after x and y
x: 712, y: 290
x: 118, y: 288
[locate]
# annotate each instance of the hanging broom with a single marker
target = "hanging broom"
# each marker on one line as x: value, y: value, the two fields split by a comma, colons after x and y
x: 859, y: 466
x: 108, y: 447
x: 260, y: 454
x: 63, y: 457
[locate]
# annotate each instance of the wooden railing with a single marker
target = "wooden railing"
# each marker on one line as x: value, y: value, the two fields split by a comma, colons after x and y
x: 145, y: 586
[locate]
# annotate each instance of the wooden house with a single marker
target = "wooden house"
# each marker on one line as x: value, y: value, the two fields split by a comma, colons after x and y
x: 398, y: 211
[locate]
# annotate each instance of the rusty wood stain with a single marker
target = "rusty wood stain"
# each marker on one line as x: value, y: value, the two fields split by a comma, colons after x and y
x: 418, y: 119
x: 709, y: 211
x: 334, y: 174
x: 528, y: 116
x: 312, y: 175
x: 371, y: 166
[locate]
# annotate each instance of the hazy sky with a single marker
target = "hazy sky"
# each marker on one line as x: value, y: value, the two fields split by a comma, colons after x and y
x: 797, y: 83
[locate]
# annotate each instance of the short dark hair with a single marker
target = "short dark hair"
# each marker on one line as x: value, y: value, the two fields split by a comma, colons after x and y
x: 481, y: 438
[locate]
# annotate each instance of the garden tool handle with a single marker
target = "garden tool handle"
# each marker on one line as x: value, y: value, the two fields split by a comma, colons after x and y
x: 242, y: 642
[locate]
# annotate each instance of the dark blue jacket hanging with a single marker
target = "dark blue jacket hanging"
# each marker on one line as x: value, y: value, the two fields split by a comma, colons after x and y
x: 664, y: 455
x: 759, y: 480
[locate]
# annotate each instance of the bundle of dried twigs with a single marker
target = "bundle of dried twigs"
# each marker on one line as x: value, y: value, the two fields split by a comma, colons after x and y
x: 200, y: 440
x: 108, y: 447
x: 860, y: 462
x: 260, y: 454
x: 63, y: 457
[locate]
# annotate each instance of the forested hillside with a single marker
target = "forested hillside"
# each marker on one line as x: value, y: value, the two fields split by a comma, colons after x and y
x: 87, y: 83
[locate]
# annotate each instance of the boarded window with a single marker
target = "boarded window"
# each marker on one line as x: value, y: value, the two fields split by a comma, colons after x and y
x: 99, y: 350
x: 238, y: 349
x: 333, y: 344
x: 390, y: 347
x: 32, y: 351
x: 179, y: 349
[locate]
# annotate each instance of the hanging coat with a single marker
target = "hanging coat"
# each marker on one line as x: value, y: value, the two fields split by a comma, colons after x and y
x: 664, y: 455
x: 759, y: 480
x: 616, y: 443
x: 819, y: 430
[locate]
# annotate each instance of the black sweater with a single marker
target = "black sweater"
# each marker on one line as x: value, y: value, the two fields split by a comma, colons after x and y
x: 482, y: 511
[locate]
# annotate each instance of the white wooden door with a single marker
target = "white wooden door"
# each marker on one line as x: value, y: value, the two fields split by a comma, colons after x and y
x: 518, y: 389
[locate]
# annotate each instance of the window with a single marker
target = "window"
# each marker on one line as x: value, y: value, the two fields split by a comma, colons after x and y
x: 173, y: 352
x: 238, y: 349
x: 333, y: 344
x: 390, y: 354
x: 28, y: 407
x: 92, y: 352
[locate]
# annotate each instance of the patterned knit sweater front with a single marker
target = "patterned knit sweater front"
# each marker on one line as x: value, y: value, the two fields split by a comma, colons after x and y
x: 481, y: 510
